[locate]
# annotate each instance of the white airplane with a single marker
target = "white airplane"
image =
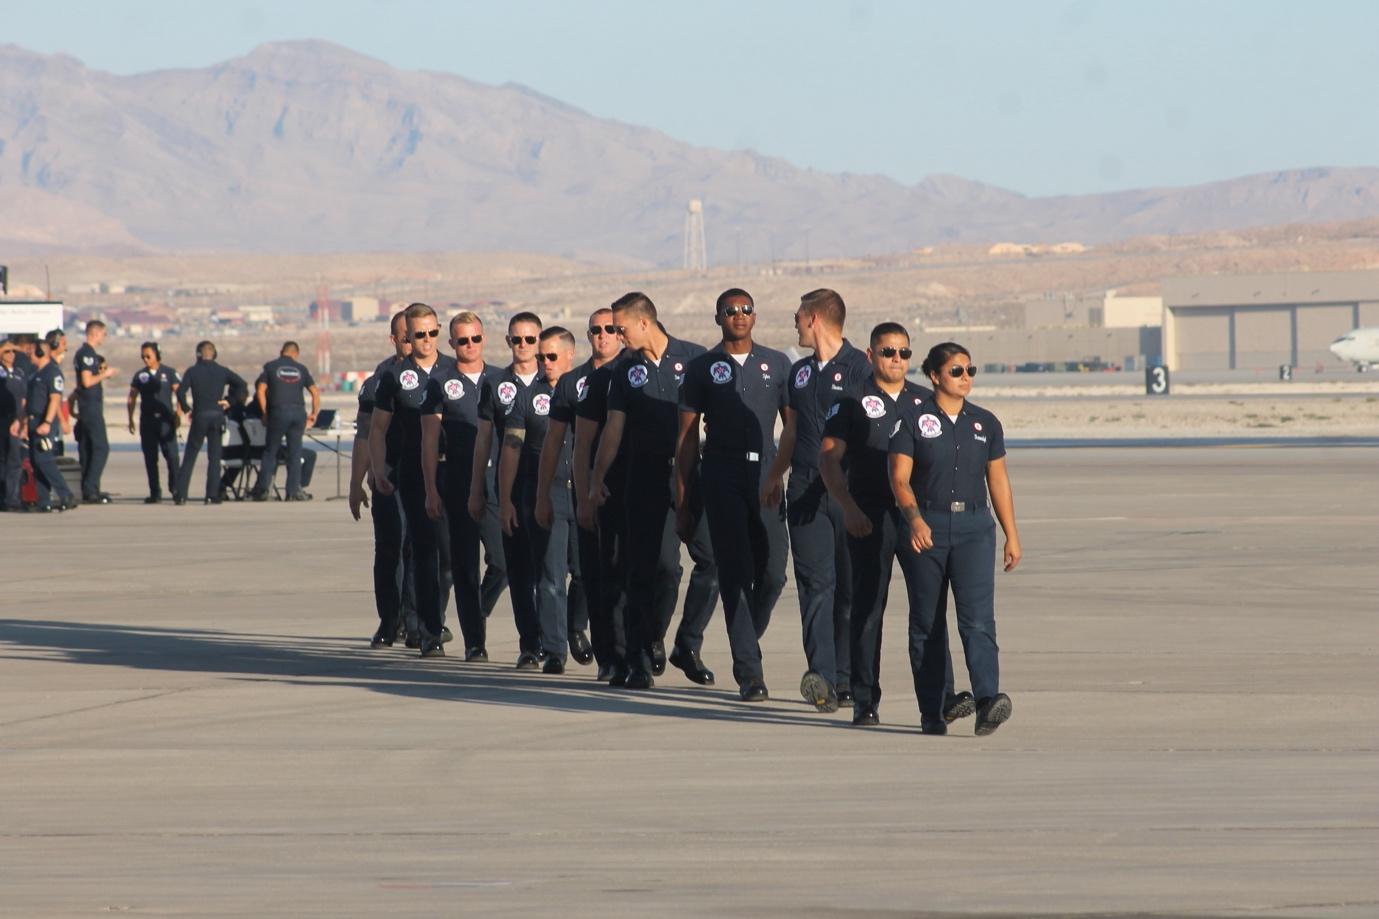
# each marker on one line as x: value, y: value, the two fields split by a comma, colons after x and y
x: 1360, y: 347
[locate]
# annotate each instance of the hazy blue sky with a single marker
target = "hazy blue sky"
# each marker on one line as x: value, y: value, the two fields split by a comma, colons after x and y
x: 1043, y: 98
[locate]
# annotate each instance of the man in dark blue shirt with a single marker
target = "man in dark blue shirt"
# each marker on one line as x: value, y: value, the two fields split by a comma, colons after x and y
x: 739, y: 389
x: 213, y: 390
x: 279, y: 391
x: 93, y: 444
x: 450, y: 426
x: 818, y: 540
x: 527, y: 440
x: 643, y: 407
x: 44, y: 407
x: 500, y: 392
x: 13, y: 390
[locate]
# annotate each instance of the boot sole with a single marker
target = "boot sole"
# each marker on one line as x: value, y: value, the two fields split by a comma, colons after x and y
x: 818, y: 693
x: 997, y: 716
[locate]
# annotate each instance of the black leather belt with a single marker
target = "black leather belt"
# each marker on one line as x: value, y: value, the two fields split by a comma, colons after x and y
x: 956, y: 507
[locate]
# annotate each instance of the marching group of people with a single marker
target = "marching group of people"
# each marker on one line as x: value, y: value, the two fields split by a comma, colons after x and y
x: 208, y: 395
x: 574, y: 486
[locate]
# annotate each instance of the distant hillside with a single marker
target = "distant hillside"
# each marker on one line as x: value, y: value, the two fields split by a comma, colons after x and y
x: 309, y: 147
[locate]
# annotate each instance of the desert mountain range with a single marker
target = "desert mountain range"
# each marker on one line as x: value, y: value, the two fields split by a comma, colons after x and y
x: 310, y: 147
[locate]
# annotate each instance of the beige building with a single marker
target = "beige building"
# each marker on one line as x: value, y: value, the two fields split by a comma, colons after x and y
x: 1260, y: 322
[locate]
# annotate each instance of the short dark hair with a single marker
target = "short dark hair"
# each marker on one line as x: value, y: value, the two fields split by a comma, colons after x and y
x: 399, y: 316
x: 291, y: 346
x: 732, y: 293
x: 152, y: 346
x: 887, y: 328
x: 94, y: 324
x: 941, y: 354
x: 206, y: 349
x: 524, y: 316
x: 637, y: 303
x: 827, y: 305
x: 54, y: 338
x: 559, y: 332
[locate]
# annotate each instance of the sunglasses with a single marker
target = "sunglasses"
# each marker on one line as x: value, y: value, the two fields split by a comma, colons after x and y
x: 461, y: 342
x: 734, y: 310
x: 957, y: 370
x: 429, y: 333
x: 605, y: 329
x: 548, y: 358
x: 892, y: 352
x: 622, y: 329
x: 516, y: 340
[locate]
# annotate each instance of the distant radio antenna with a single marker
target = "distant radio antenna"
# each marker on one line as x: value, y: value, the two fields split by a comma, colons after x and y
x: 323, y: 337
x: 696, y: 252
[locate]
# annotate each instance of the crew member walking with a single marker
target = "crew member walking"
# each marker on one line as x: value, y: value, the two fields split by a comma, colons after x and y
x: 213, y: 390
x: 818, y: 540
x: 93, y: 444
x: 43, y: 402
x: 739, y: 389
x: 946, y: 456
x: 643, y: 406
x: 278, y: 391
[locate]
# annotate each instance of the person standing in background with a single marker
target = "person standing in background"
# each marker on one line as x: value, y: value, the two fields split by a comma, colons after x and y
x: 88, y: 398
x: 279, y: 391
x: 43, y: 402
x: 213, y: 389
x: 154, y: 390
x: 12, y: 419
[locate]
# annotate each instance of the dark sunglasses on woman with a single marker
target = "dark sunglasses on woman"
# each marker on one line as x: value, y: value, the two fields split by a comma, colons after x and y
x: 957, y: 370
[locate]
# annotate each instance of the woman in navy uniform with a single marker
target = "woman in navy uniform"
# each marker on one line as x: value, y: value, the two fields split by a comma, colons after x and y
x: 155, y: 389
x: 946, y: 455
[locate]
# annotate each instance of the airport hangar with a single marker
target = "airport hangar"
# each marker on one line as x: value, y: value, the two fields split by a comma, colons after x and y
x: 1263, y: 321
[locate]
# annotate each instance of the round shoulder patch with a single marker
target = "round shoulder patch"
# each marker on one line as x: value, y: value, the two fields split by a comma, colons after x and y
x: 637, y: 375
x: 143, y: 376
x: 58, y: 382
x: 929, y: 426
x: 873, y: 406
x: 541, y: 404
x: 409, y: 379
x: 507, y: 391
x: 454, y: 389
x: 721, y: 372
x: 802, y: 377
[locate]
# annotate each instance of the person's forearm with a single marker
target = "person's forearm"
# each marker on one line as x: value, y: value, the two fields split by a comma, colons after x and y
x: 686, y: 455
x: 378, y: 443
x: 835, y: 481
x: 483, y: 444
x: 900, y: 467
x: 430, y: 451
x: 130, y: 406
x: 508, y: 459
x: 54, y: 406
x: 1003, y: 502
x: 359, y: 462
x: 784, y: 453
x: 315, y: 401
x: 608, y: 449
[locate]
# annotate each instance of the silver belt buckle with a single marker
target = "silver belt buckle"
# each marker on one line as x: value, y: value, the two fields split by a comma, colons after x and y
x: 753, y: 457
x: 957, y: 507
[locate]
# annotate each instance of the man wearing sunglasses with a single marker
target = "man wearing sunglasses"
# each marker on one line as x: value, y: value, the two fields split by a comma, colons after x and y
x: 12, y: 392
x: 818, y: 540
x: 602, y: 588
x: 853, y: 465
x: 536, y: 452
x: 643, y: 406
x: 450, y: 425
x: 394, y: 577
x: 739, y: 389
x: 500, y: 393
x: 402, y: 392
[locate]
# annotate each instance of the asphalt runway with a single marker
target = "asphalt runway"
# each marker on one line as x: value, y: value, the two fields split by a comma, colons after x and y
x: 192, y: 724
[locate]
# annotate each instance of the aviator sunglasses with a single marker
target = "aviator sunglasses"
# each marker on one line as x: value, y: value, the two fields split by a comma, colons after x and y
x: 461, y: 342
x: 745, y: 310
x: 550, y: 358
x: 957, y: 370
x: 892, y: 352
x: 605, y: 329
x: 429, y: 333
x: 515, y: 340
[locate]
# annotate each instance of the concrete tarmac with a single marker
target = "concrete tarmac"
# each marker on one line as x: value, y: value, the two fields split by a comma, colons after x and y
x: 192, y: 724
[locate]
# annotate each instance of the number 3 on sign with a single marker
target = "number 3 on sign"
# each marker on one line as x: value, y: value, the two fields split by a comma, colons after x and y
x: 1156, y: 381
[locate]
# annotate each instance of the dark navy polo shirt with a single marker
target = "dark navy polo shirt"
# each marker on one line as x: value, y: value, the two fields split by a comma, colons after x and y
x: 649, y: 394
x: 402, y: 392
x: 287, y: 380
x: 207, y: 382
x: 949, y: 457
x: 865, y: 421
x: 813, y: 391
x: 13, y: 390
x: 155, y: 391
x: 531, y: 412
x: 739, y: 404
x: 46, y: 381
x: 455, y: 397
x: 87, y: 359
x: 591, y: 403
x: 368, y: 398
